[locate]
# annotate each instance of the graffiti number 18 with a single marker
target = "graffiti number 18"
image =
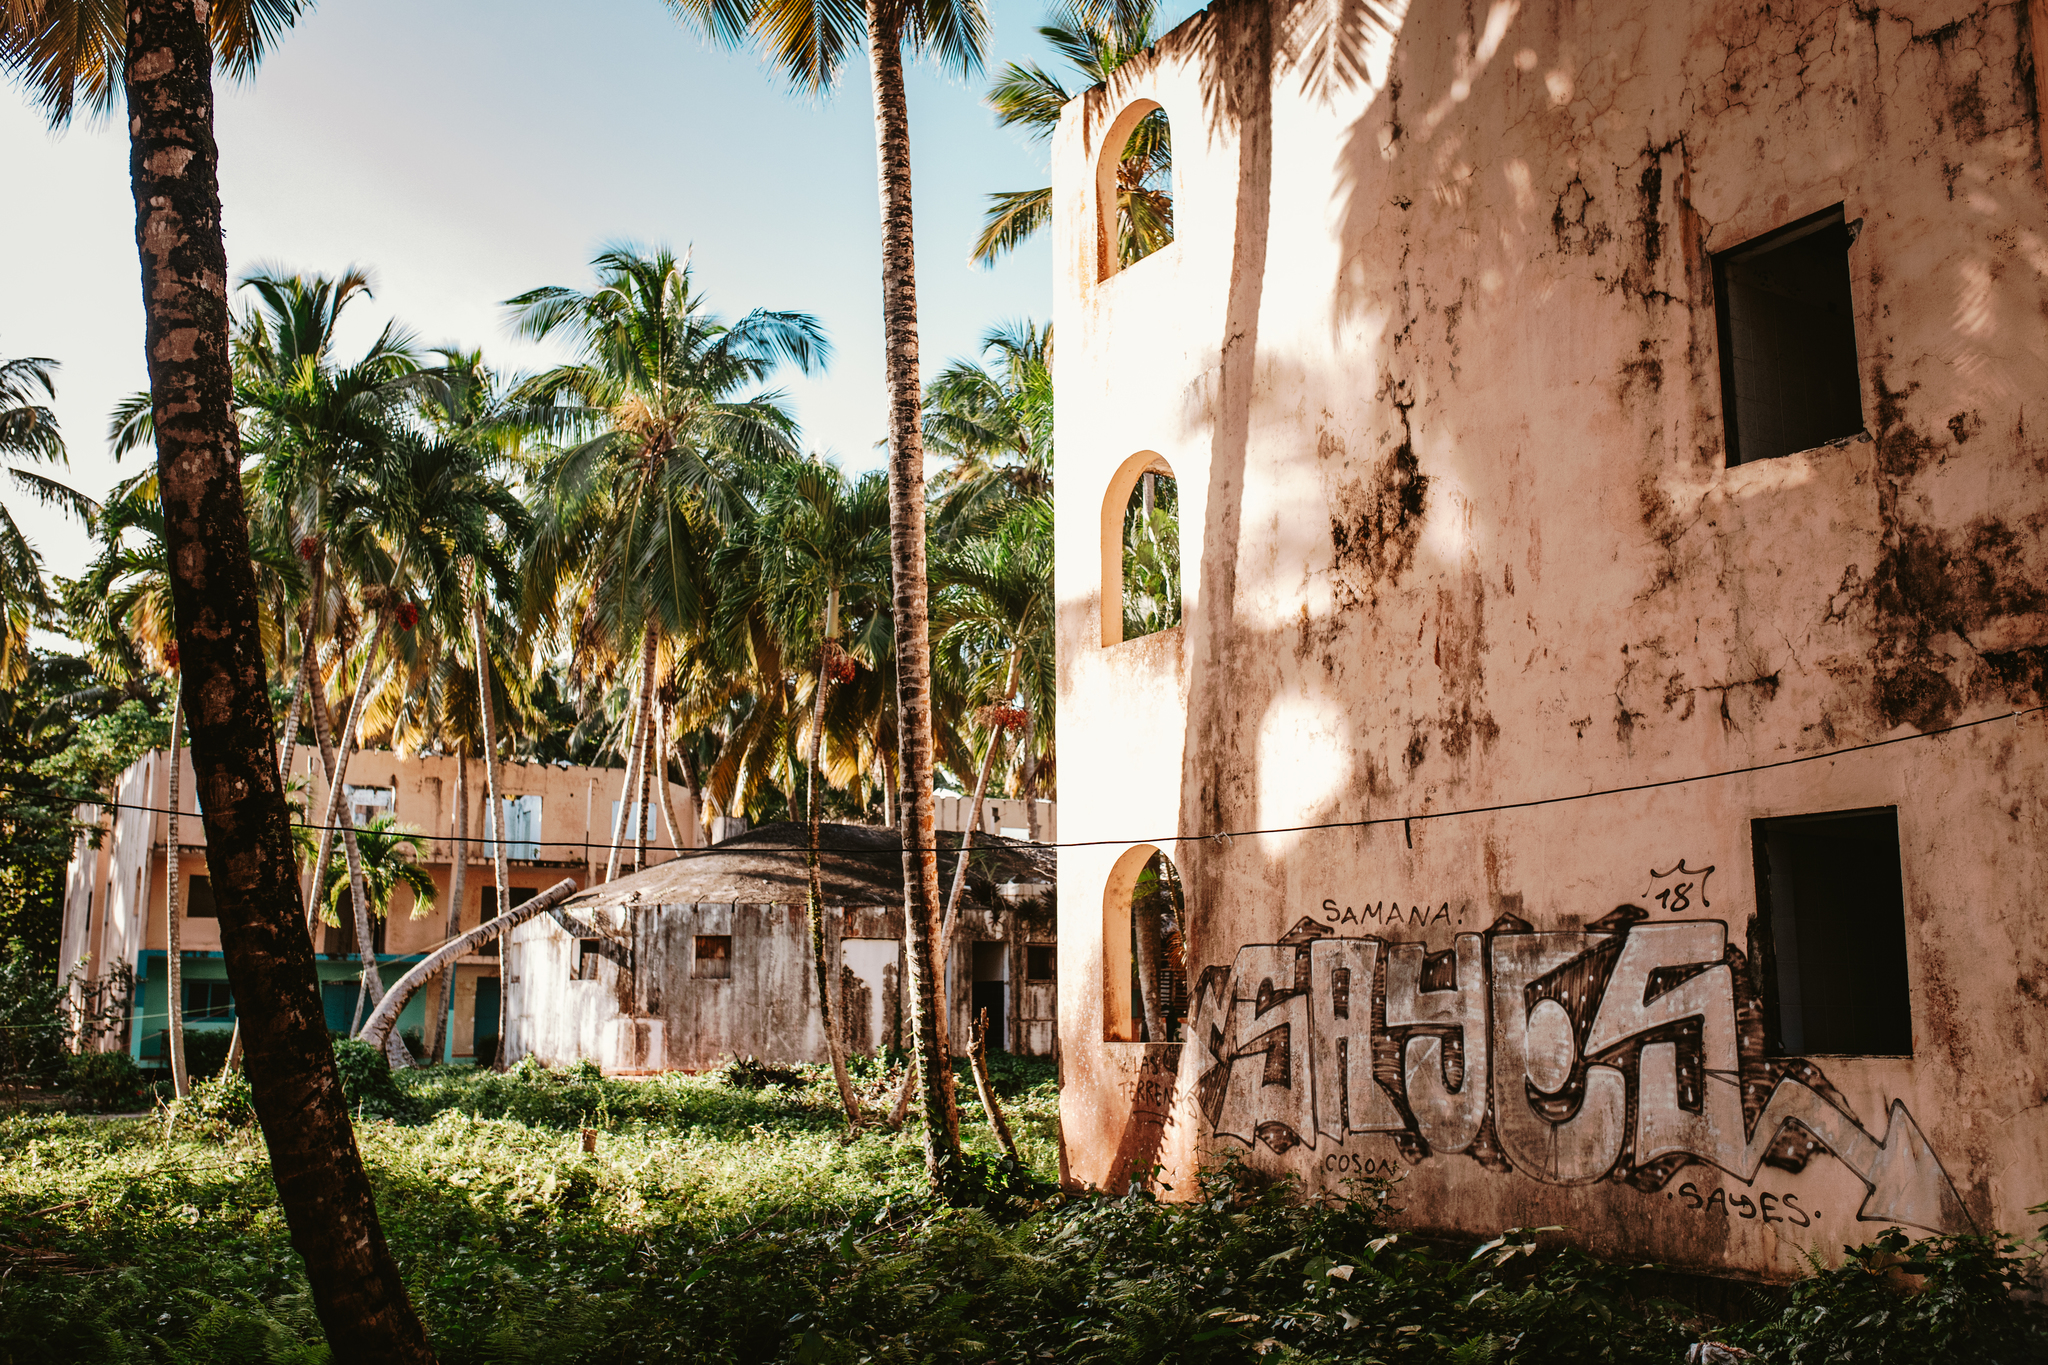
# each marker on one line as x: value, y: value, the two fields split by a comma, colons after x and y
x: 1772, y: 1208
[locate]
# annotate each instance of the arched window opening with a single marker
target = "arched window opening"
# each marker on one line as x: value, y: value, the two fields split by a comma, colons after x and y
x: 1151, y: 554
x: 1138, y: 182
x: 1145, y: 942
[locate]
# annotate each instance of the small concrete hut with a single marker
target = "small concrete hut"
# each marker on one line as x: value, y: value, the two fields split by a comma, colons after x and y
x: 707, y: 957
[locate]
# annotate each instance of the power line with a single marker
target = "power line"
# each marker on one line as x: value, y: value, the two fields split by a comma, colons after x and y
x: 1225, y: 836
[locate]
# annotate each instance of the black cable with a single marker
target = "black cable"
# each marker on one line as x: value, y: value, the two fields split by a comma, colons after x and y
x: 1226, y: 835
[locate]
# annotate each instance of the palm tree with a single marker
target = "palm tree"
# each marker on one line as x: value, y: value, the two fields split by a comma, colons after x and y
x: 390, y: 859
x: 1096, y: 39
x: 161, y: 54
x: 478, y: 422
x: 627, y: 508
x: 28, y: 431
x: 820, y: 545
x: 995, y: 426
x: 811, y: 41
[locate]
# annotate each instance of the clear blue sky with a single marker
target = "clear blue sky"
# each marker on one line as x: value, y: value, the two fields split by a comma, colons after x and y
x: 465, y: 150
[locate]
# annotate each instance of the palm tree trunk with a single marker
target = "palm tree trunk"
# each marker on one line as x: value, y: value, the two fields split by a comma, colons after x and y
x: 626, y: 812
x: 495, y: 825
x: 458, y: 883
x: 943, y: 1157
x: 341, y: 814
x: 174, y: 957
x: 949, y: 925
x: 668, y: 805
x: 291, y: 719
x: 814, y: 899
x: 984, y: 1089
x: 326, y: 1197
x: 642, y: 789
x: 323, y: 734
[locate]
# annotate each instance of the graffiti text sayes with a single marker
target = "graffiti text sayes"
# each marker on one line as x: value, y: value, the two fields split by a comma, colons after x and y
x: 1625, y: 1050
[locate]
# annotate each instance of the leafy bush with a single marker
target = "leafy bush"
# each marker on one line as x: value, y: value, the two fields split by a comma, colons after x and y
x: 206, y: 1052
x: 1966, y: 1306
x: 367, y: 1082
x: 104, y: 1080
x: 221, y: 1104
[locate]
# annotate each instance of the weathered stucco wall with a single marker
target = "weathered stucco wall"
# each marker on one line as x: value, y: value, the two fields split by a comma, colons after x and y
x: 1434, y: 361
x: 645, y: 1006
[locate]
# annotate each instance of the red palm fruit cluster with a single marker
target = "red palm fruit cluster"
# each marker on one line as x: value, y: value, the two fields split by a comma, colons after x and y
x: 1000, y: 717
x: 839, y: 665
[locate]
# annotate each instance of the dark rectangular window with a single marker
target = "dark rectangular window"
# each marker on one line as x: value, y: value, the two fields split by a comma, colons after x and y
x: 1039, y: 959
x: 488, y: 910
x: 199, y: 898
x: 1831, y: 935
x: 714, y: 956
x: 208, y: 1000
x: 587, y: 958
x: 1788, y: 339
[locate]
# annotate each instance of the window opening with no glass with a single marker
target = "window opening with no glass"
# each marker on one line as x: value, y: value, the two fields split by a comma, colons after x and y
x: 588, y: 955
x: 1040, y: 961
x: 1151, y: 554
x: 1788, y: 339
x: 1830, y: 939
x: 714, y: 957
x: 198, y: 899
x: 1159, y: 983
x: 1140, y: 183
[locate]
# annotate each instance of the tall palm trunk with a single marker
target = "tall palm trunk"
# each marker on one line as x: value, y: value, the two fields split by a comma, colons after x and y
x: 326, y: 1197
x: 174, y: 956
x: 663, y: 748
x: 291, y: 719
x: 912, y: 603
x: 950, y: 924
x: 458, y: 884
x: 501, y: 876
x: 642, y: 789
x: 635, y: 743
x: 814, y: 899
x: 340, y: 813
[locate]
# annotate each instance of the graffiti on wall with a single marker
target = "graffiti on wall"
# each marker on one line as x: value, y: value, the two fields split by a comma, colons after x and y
x: 1623, y: 1051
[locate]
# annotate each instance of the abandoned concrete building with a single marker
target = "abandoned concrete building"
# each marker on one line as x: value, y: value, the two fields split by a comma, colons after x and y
x: 1590, y: 764
x: 706, y: 958
x: 558, y: 823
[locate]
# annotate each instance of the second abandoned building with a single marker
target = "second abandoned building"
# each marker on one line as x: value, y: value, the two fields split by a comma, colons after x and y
x: 1598, y: 429
x: 706, y: 958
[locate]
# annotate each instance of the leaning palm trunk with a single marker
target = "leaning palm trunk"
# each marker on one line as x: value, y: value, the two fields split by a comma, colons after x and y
x: 984, y: 1089
x: 814, y: 899
x: 458, y: 883
x: 173, y: 955
x: 635, y: 743
x: 291, y: 717
x: 356, y: 1286
x: 952, y: 920
x: 495, y: 826
x: 377, y: 1030
x: 1150, y: 954
x: 912, y: 605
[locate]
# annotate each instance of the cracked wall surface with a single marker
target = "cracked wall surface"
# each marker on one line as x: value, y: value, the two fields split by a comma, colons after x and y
x: 1434, y: 357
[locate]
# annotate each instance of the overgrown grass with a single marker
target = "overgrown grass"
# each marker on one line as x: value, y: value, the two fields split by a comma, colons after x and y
x: 723, y: 1221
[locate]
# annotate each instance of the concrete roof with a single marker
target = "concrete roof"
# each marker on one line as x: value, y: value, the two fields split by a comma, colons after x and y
x: 860, y: 865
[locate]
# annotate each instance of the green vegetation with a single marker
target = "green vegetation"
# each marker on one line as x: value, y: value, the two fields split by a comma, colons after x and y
x: 723, y: 1217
